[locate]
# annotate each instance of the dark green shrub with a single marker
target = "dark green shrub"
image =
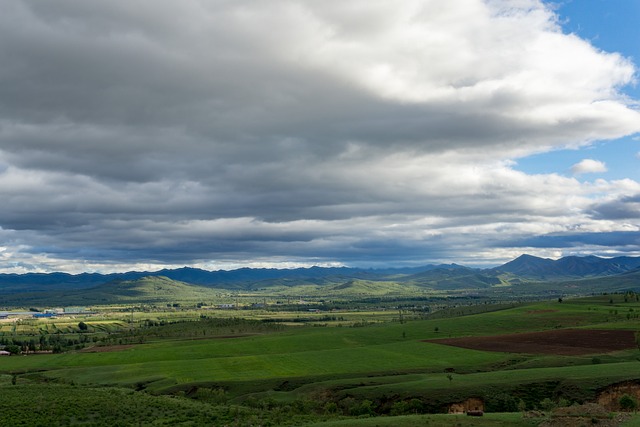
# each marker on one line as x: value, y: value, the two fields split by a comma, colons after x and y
x: 628, y: 403
x: 501, y: 402
x: 399, y: 408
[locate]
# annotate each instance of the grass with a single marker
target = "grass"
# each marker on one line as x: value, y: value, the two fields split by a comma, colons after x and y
x: 442, y: 420
x: 633, y: 422
x: 514, y: 419
x: 378, y: 362
x: 376, y: 348
x: 260, y: 357
x: 55, y: 405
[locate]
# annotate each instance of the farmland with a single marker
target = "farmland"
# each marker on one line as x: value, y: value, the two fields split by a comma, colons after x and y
x: 255, y: 367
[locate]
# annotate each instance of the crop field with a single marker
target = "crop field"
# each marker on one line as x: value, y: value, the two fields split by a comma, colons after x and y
x: 331, y: 368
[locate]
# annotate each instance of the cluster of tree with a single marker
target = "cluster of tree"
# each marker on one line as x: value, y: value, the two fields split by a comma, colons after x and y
x: 325, y: 318
x: 85, y: 334
x: 631, y: 296
x: 56, y: 343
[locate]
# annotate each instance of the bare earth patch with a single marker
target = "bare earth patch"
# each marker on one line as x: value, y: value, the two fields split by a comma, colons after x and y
x: 568, y: 342
x: 584, y: 415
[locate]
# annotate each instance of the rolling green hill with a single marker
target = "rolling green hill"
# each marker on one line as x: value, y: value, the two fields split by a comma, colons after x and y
x: 149, y: 290
x: 378, y: 369
x: 162, y: 290
x: 525, y: 277
x: 629, y: 281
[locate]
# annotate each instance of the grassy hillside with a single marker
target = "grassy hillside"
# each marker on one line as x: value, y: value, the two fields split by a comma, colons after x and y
x: 150, y: 289
x: 452, y: 281
x: 367, y: 369
x: 147, y: 290
x: 623, y: 282
x: 59, y: 404
x: 308, y: 351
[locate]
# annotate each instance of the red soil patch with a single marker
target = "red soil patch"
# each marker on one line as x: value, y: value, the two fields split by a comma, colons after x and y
x: 569, y: 342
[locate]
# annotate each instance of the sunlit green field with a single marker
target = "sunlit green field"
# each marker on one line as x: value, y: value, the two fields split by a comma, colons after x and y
x: 337, y: 365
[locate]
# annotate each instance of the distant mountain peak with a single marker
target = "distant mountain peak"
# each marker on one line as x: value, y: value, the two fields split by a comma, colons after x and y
x: 567, y: 267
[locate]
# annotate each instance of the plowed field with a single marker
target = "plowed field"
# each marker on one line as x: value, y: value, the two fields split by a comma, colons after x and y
x: 570, y: 342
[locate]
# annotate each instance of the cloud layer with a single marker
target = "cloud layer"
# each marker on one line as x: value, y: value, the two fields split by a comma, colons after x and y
x: 367, y: 133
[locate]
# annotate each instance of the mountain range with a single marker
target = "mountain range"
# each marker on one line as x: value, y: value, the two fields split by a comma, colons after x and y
x: 525, y: 273
x: 571, y: 266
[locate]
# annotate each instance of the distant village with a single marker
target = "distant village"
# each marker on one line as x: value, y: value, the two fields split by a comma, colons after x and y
x: 48, y: 313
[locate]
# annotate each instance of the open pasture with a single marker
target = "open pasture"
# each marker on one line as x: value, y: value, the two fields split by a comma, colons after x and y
x: 382, y: 363
x: 301, y: 352
x: 513, y: 419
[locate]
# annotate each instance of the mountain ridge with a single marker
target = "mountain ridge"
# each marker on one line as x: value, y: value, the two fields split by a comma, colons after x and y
x: 529, y: 266
x: 524, y: 269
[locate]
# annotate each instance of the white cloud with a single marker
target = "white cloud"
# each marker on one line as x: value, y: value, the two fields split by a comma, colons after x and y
x: 588, y: 166
x: 328, y: 131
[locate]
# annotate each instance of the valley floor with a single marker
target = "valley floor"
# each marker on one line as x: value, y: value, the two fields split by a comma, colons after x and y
x: 522, y: 365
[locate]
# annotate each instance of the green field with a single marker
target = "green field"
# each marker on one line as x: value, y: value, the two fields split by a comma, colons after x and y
x: 257, y: 370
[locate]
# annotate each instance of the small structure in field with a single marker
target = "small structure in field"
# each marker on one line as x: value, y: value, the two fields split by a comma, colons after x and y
x: 44, y: 315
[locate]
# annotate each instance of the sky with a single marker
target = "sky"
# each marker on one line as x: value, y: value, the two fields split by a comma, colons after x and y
x: 223, y: 134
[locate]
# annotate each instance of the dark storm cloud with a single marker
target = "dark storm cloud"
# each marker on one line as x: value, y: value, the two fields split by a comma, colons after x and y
x: 184, y: 132
x: 624, y: 208
x: 604, y: 242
